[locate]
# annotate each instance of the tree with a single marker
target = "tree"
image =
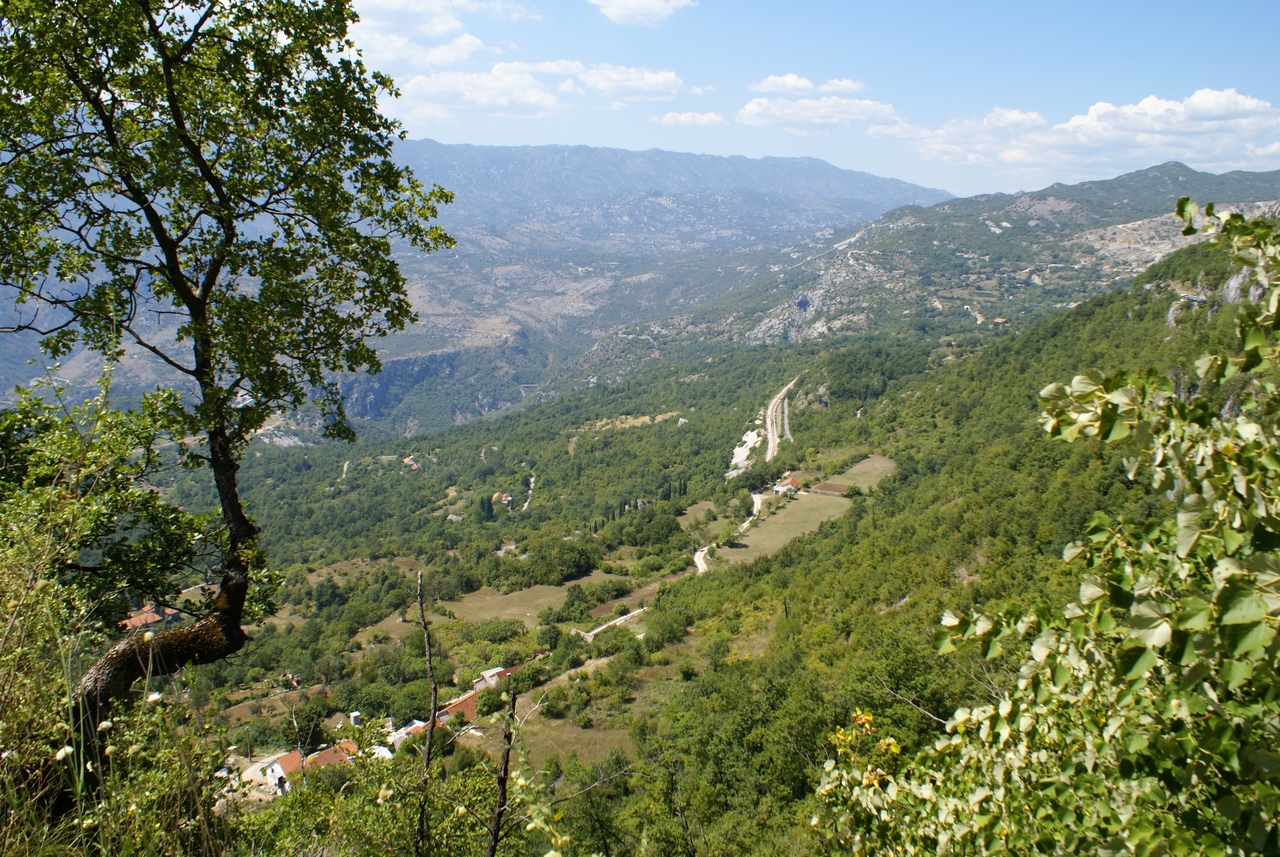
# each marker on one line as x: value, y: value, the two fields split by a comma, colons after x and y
x: 1146, y: 715
x: 210, y: 184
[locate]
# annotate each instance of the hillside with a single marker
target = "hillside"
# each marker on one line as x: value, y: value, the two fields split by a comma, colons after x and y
x: 985, y: 264
x: 785, y: 646
x: 721, y: 688
x: 557, y: 246
x: 498, y: 185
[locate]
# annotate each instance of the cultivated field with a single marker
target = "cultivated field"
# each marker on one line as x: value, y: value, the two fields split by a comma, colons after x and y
x: 802, y: 515
x: 867, y: 472
x: 525, y: 604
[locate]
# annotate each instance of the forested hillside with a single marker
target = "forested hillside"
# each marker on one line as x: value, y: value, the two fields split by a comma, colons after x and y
x: 725, y: 708
x: 699, y: 726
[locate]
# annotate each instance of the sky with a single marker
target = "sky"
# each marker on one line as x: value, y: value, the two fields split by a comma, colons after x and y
x: 972, y: 97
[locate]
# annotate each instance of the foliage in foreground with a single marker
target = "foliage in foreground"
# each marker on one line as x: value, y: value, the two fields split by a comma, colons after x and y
x: 72, y: 486
x: 1146, y: 717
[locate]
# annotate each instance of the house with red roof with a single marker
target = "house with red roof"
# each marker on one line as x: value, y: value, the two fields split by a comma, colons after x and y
x: 149, y: 617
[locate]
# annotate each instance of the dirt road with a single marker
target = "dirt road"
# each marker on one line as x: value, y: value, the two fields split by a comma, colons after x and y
x: 773, y: 421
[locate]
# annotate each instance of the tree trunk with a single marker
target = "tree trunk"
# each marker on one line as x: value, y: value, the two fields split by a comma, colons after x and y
x: 218, y: 633
x: 213, y: 637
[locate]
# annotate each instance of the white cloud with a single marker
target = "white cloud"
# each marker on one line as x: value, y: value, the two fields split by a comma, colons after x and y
x: 703, y: 120
x: 500, y: 90
x: 640, y: 11
x: 453, y: 52
x: 563, y: 68
x: 788, y: 82
x: 401, y: 36
x: 624, y: 82
x: 1210, y: 129
x: 795, y: 84
x: 842, y: 84
x: 806, y: 115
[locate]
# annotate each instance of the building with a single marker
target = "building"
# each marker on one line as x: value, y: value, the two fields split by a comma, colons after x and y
x: 284, y: 770
x: 150, y: 618
x: 787, y: 486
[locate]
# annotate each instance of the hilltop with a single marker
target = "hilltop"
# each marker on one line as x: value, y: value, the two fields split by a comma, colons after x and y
x: 988, y: 263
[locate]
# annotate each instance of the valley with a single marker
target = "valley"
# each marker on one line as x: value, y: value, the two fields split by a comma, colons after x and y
x: 696, y: 535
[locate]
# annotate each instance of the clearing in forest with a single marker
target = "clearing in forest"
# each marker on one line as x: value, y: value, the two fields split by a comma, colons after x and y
x: 868, y: 472
x: 804, y: 514
x: 523, y: 604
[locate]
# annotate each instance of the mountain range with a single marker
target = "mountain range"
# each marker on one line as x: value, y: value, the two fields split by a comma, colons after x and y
x: 575, y: 265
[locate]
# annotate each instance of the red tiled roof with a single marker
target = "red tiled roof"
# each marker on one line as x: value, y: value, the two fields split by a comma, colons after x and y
x: 148, y: 616
x: 327, y: 756
x: 464, y: 705
x: 290, y: 762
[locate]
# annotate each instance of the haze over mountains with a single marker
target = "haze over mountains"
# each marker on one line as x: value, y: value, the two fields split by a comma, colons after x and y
x: 575, y: 265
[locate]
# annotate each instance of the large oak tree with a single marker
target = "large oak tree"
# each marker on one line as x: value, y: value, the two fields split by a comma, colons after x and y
x: 210, y: 182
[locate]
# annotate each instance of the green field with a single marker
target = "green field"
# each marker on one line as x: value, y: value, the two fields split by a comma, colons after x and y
x: 867, y: 472
x: 524, y: 604
x: 804, y: 514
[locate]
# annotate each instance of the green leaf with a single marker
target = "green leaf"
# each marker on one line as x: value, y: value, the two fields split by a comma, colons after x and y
x: 1086, y: 383
x: 1137, y: 661
x: 1236, y: 673
x: 1091, y: 590
x: 1266, y: 761
x: 1250, y: 637
x: 1188, y: 531
x: 1195, y: 614
x: 1137, y: 742
x: 1241, y: 605
x: 1254, y: 338
x: 1232, y: 540
x: 942, y: 642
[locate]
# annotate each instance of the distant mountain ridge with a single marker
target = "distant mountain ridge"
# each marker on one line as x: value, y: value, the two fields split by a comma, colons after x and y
x: 989, y: 263
x: 498, y: 184
x: 591, y: 262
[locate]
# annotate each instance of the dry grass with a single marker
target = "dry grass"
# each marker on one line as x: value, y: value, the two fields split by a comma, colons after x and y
x: 525, y: 605
x: 694, y: 514
x: 628, y: 422
x: 802, y: 515
x: 868, y: 472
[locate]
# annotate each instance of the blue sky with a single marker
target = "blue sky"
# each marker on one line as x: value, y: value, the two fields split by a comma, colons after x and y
x: 970, y: 97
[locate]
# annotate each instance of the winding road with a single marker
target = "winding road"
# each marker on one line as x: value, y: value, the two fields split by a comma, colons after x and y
x: 773, y: 419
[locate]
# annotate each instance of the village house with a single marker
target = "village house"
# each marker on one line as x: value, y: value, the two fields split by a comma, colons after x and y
x: 149, y: 617
x: 284, y: 770
x: 787, y: 486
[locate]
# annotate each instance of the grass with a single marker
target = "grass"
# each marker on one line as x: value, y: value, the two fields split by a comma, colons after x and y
x: 525, y: 605
x: 867, y: 472
x: 802, y: 515
x: 694, y: 514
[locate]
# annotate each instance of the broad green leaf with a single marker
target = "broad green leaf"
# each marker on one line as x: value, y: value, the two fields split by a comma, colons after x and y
x: 1267, y: 761
x: 1188, y: 531
x: 1086, y: 383
x: 1232, y: 540
x: 1137, y: 661
x: 1250, y: 637
x: 1090, y: 591
x: 1157, y: 635
x: 1236, y: 673
x: 1242, y: 606
x: 1195, y: 614
x: 942, y: 642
